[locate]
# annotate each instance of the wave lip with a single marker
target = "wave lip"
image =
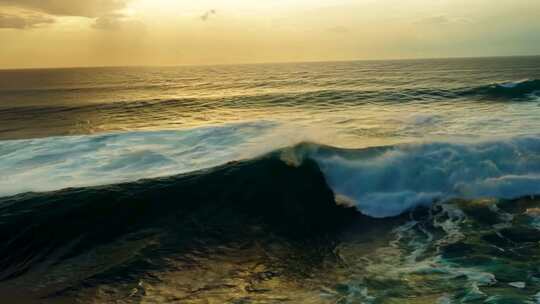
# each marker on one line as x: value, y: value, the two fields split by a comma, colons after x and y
x: 388, y: 181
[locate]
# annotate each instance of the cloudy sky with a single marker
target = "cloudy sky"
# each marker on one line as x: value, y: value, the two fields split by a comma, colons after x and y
x: 59, y: 33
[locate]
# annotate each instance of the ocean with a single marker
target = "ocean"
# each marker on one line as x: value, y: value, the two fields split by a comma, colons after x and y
x: 400, y: 181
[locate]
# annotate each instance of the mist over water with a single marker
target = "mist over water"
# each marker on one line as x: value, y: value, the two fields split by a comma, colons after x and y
x: 341, y: 182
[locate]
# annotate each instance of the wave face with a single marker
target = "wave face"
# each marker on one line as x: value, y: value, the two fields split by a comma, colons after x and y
x: 136, y: 224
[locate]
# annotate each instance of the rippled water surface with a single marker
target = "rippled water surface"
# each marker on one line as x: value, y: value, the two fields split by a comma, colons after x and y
x: 409, y: 181
x: 354, y: 101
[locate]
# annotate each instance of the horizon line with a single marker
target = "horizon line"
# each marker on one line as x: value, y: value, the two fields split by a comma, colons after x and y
x: 260, y: 63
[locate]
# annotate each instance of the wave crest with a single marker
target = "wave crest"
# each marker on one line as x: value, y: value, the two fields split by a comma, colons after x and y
x: 379, y: 181
x: 513, y: 89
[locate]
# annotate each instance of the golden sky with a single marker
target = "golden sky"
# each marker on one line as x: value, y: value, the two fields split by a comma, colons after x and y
x: 59, y: 33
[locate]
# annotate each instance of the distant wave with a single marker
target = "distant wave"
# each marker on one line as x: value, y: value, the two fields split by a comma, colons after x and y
x: 316, y: 98
x: 527, y: 88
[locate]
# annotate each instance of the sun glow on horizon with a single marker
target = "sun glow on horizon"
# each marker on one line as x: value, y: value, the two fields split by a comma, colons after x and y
x: 171, y: 32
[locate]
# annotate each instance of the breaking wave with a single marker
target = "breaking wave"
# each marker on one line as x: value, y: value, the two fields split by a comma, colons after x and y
x: 527, y: 88
x: 379, y: 182
x: 387, y: 181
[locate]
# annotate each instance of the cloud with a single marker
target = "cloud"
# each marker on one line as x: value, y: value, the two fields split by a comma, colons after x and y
x: 12, y: 21
x: 28, y: 14
x: 82, y: 8
x: 208, y: 14
x: 115, y: 21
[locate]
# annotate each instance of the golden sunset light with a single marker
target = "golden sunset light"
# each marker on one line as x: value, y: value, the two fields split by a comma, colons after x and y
x: 269, y: 151
x: 172, y: 32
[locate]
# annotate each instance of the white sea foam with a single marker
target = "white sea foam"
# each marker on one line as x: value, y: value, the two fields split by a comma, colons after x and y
x: 55, y: 163
x: 390, y: 181
x: 514, y: 84
x: 519, y: 285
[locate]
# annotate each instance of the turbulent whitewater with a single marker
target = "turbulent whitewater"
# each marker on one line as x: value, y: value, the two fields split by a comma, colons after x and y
x: 408, y: 181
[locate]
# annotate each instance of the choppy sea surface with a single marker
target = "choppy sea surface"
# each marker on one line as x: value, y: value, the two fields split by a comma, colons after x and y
x: 409, y: 181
